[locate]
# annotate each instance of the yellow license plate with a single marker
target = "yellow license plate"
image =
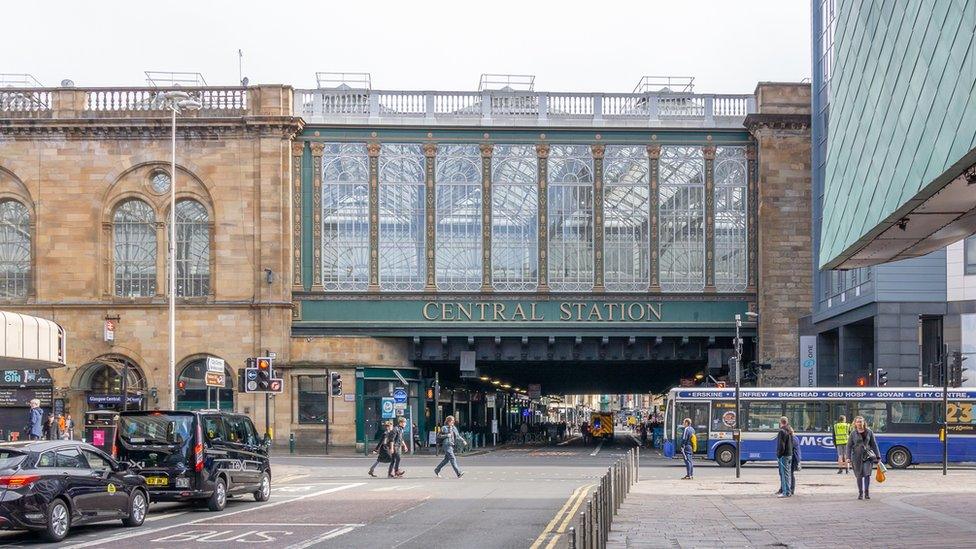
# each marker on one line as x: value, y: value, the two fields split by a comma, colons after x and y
x: 157, y: 481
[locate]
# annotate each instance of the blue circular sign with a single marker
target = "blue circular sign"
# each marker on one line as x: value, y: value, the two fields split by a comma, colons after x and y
x: 388, y: 406
x: 399, y: 395
x: 252, y: 374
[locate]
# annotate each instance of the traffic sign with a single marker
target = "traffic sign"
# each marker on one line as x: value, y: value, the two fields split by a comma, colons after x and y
x: 276, y: 385
x: 214, y: 379
x: 399, y: 395
x: 386, y: 407
x: 215, y: 364
x: 252, y: 385
x: 252, y: 374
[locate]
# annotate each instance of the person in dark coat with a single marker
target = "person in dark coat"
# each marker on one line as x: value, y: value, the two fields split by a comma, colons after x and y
x: 863, y: 450
x: 784, y: 456
x: 381, y: 450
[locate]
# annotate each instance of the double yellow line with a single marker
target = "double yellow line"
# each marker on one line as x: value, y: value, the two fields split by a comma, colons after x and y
x: 566, y: 513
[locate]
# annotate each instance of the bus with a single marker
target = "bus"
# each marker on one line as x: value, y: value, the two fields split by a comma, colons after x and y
x: 906, y: 421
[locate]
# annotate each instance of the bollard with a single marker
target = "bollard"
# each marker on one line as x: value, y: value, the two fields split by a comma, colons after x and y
x: 572, y: 537
x: 291, y: 443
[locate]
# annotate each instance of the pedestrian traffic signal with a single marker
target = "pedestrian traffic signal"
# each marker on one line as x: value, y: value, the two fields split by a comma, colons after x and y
x: 336, y: 384
x: 882, y: 377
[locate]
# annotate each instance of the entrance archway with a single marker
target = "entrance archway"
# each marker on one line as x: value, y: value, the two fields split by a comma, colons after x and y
x: 106, y: 379
x: 192, y: 390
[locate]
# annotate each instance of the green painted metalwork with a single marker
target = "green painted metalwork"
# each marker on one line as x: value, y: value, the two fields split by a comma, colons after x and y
x: 309, y: 217
x: 608, y: 136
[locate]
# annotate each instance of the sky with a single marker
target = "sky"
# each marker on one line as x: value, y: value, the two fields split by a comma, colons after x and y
x: 569, y: 45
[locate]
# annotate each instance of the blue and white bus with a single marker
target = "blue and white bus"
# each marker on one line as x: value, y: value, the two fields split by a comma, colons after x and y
x: 905, y: 420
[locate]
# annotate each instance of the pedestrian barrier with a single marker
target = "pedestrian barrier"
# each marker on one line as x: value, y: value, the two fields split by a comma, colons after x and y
x: 593, y: 523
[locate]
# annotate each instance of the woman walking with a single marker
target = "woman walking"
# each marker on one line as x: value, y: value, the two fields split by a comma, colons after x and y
x: 382, y: 449
x: 864, y: 453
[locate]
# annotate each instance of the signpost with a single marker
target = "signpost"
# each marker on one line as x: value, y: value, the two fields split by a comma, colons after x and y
x: 387, y: 408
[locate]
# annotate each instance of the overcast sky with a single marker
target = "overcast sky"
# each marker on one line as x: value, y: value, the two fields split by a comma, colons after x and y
x: 595, y: 45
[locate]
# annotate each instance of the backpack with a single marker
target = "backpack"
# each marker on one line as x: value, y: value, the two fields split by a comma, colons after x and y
x: 694, y: 442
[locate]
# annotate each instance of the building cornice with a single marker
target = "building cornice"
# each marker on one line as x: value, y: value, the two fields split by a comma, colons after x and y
x: 285, y: 127
x: 759, y: 121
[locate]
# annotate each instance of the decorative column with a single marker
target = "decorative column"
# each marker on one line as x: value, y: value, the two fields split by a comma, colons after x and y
x: 654, y: 158
x: 598, y: 282
x: 752, y: 216
x: 162, y: 259
x: 317, y: 149
x: 430, y: 212
x: 542, y: 153
x: 486, y: 151
x: 709, y: 153
x: 373, y: 150
x: 297, y: 151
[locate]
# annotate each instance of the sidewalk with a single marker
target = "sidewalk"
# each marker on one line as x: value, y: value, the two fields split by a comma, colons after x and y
x: 913, y: 508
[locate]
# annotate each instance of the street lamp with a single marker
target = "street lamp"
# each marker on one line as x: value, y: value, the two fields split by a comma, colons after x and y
x: 737, y: 432
x: 176, y: 101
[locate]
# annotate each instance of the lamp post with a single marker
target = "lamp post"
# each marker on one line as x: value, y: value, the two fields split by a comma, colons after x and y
x: 176, y: 101
x: 737, y: 432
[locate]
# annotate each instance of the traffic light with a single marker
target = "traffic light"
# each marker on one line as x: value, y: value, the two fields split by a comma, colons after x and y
x: 862, y: 381
x: 258, y: 375
x: 957, y: 374
x: 336, y: 384
x: 181, y: 385
x: 882, y: 377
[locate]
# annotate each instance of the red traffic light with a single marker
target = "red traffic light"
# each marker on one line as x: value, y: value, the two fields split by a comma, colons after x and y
x: 862, y: 381
x: 181, y: 384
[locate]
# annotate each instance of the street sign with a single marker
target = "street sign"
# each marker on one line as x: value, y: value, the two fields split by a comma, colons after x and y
x: 399, y: 395
x: 252, y: 385
x: 276, y: 385
x: 252, y: 374
x: 490, y: 400
x: 386, y: 407
x: 535, y: 390
x: 109, y: 330
x: 468, y: 361
x: 215, y: 364
x: 213, y: 379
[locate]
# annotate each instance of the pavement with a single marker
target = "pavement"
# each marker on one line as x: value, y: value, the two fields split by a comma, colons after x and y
x: 912, y: 508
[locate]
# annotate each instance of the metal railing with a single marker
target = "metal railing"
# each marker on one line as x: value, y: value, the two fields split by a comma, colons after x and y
x: 509, y: 107
x: 593, y: 523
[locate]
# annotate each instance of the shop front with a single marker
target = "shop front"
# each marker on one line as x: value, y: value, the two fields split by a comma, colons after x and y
x: 17, y: 388
x: 373, y: 386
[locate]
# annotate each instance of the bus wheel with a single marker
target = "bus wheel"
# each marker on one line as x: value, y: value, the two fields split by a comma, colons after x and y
x: 725, y: 455
x: 899, y: 457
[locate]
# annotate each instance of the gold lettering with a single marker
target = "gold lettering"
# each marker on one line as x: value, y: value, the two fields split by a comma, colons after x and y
x: 464, y: 309
x: 651, y: 311
x: 579, y: 310
x: 427, y: 315
x: 610, y: 307
x: 447, y: 311
x: 640, y: 311
x: 518, y: 312
x: 564, y: 312
x: 532, y: 312
x: 594, y: 311
x: 481, y: 310
x: 498, y: 311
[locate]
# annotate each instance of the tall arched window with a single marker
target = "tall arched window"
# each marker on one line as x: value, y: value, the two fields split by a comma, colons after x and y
x: 682, y: 219
x: 626, y: 218
x: 192, y: 249
x: 194, y: 394
x: 514, y: 218
x: 15, y: 249
x: 402, y: 228
x: 731, y: 236
x: 458, y: 254
x: 135, y: 249
x: 570, y: 218
x: 345, y: 217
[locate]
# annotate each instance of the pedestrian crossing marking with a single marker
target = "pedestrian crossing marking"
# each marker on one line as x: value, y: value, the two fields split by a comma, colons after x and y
x: 396, y: 488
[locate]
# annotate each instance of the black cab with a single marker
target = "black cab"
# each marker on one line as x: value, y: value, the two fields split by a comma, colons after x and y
x: 203, y: 455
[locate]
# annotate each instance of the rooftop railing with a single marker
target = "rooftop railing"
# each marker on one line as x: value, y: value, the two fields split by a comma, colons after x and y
x: 123, y: 102
x: 507, y: 107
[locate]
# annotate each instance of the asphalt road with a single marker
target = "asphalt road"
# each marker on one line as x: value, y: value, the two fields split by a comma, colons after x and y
x: 508, y: 498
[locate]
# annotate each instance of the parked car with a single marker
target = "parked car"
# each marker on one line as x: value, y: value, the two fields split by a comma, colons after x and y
x: 204, y: 455
x: 50, y: 486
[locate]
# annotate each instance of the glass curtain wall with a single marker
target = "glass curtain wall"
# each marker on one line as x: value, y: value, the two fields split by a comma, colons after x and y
x: 515, y: 218
x: 570, y: 218
x: 626, y: 218
x: 458, y: 243
x: 731, y: 236
x: 681, y: 207
x: 345, y: 217
x: 401, y: 205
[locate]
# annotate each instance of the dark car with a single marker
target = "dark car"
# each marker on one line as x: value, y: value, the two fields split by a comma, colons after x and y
x: 50, y: 486
x: 204, y: 455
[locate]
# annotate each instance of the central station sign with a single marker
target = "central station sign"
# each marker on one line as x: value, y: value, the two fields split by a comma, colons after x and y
x: 532, y: 311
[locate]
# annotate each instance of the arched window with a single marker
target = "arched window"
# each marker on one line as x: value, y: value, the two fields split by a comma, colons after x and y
x: 15, y: 249
x: 682, y: 219
x: 570, y: 218
x: 135, y: 249
x: 514, y: 218
x: 192, y: 388
x: 458, y: 254
x: 402, y: 229
x: 104, y: 387
x: 192, y: 249
x: 345, y: 217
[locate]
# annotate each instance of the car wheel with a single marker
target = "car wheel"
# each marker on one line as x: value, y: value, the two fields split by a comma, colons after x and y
x: 725, y: 455
x: 264, y: 491
x: 58, y: 521
x: 899, y: 457
x: 138, y: 506
x: 218, y: 500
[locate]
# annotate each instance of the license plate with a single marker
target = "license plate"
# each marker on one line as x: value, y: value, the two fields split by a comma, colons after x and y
x: 157, y: 481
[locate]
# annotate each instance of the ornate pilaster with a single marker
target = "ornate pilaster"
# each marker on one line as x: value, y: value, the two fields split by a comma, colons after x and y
x: 542, y: 152
x: 317, y: 149
x: 598, y: 151
x: 709, y: 153
x: 373, y: 150
x: 430, y: 214
x: 486, y: 151
x: 297, y: 150
x: 654, y: 158
x: 752, y: 219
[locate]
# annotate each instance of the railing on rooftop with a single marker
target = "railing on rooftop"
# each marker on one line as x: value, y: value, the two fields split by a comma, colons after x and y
x: 114, y: 102
x: 508, y: 107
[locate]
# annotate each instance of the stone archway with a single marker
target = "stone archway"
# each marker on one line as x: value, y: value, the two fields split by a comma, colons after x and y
x: 105, y: 380
x: 192, y: 392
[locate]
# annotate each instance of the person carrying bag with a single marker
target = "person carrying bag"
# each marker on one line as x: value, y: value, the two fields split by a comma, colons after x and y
x: 864, y: 453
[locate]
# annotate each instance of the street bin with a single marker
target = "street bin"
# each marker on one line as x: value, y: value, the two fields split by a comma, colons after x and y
x: 100, y: 428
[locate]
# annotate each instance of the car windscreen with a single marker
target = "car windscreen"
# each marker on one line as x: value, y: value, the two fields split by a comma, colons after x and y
x: 10, y: 459
x: 156, y: 429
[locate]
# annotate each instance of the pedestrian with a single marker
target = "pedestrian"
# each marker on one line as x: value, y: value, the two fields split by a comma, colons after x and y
x: 51, y: 428
x: 862, y: 447
x: 784, y: 456
x: 524, y: 430
x: 382, y: 449
x: 62, y: 427
x: 643, y: 434
x: 686, y: 448
x: 448, y: 437
x: 35, y: 420
x: 70, y: 424
x: 841, y: 432
x: 398, y: 447
x: 795, y: 463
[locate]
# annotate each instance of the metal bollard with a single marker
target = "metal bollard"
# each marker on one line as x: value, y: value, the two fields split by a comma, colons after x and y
x: 291, y: 443
x: 572, y: 537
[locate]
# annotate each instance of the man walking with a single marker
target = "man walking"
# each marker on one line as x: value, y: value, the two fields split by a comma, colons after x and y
x: 841, y: 433
x: 399, y: 446
x: 35, y: 420
x: 686, y: 448
x: 448, y: 437
x: 784, y: 456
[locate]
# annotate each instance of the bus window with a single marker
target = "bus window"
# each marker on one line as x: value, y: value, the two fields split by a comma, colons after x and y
x: 912, y: 412
x: 875, y: 415
x: 807, y: 417
x: 723, y: 415
x: 763, y: 416
x: 838, y: 409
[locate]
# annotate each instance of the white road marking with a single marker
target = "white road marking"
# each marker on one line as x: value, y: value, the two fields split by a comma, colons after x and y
x: 328, y: 535
x: 165, y: 516
x: 296, y: 524
x: 398, y: 487
x: 139, y: 533
x: 598, y: 446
